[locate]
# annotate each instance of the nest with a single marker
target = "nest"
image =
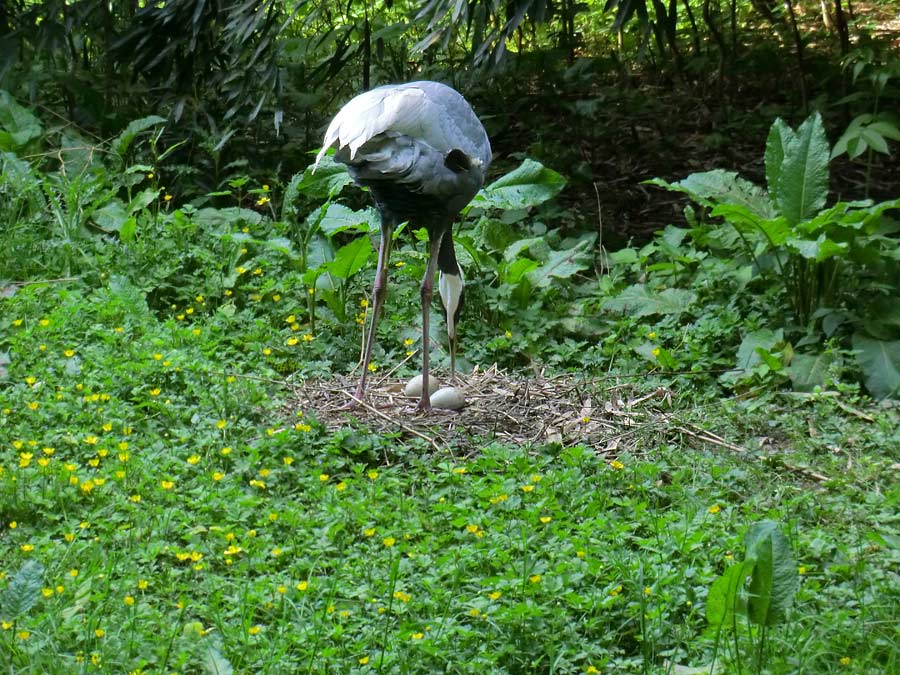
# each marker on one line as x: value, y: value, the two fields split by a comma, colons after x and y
x: 611, y: 418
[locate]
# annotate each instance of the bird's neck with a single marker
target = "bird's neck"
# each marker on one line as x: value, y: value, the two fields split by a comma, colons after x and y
x: 447, y: 262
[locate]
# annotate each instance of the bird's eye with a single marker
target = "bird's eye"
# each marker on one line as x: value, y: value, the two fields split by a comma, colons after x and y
x: 457, y: 161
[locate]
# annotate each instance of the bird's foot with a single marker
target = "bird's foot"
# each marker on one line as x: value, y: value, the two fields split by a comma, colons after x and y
x: 354, y: 402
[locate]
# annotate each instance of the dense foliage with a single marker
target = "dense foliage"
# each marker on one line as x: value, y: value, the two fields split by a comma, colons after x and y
x: 169, y: 263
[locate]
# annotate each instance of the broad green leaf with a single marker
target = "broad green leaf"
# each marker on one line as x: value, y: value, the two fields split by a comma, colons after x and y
x: 529, y: 185
x: 231, y: 215
x: 639, y: 301
x: 23, y: 591
x: 351, y: 258
x: 723, y: 599
x: 819, y: 249
x: 128, y: 230
x: 748, y: 354
x: 520, y: 267
x: 886, y: 128
x: 324, y: 181
x: 875, y: 141
x: 711, y: 188
x: 339, y: 218
x: 18, y: 125
x: 803, y: 183
x: 561, y: 265
x: 880, y: 363
x: 111, y: 216
x: 143, y: 199
x: 537, y: 246
x: 624, y: 256
x: 124, y: 140
x: 774, y: 580
x: 776, y: 145
x: 281, y: 244
x: 214, y: 662
x: 808, y: 371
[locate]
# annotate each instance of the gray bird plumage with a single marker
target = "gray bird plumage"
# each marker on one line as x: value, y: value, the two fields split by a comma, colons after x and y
x: 423, y: 154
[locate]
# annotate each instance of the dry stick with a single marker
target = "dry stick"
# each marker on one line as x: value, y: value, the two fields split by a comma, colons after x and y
x: 393, y: 421
x: 709, y: 438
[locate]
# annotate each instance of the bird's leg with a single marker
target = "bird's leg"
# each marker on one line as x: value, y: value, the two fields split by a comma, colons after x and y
x: 379, y: 293
x: 453, y: 359
x: 426, y: 292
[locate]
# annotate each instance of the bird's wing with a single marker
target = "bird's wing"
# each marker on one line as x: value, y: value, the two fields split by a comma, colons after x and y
x: 428, y: 112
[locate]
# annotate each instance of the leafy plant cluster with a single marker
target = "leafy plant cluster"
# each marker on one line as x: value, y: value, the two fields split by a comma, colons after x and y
x: 794, y: 284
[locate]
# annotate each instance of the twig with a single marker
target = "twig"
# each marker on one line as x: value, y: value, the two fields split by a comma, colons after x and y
x: 710, y: 437
x: 393, y: 421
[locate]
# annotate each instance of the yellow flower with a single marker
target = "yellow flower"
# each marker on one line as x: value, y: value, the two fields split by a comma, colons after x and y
x: 166, y: 484
x: 99, y: 632
x: 23, y: 634
x: 324, y: 477
x: 372, y: 475
x: 291, y: 341
x: 142, y: 584
x: 527, y: 488
x: 495, y: 595
x: 226, y: 450
x: 591, y: 669
x: 714, y: 509
x: 369, y: 532
x: 254, y: 630
x: 373, y: 367
x: 845, y: 661
x: 308, y: 338
x: 341, y: 486
x: 129, y: 600
x: 648, y: 590
x: 47, y: 592
x: 155, y: 391
x: 535, y: 578
x: 498, y: 499
x: 302, y: 585
x: 287, y: 460
x: 364, y: 660
x: 417, y: 636
x: 193, y: 459
x: 546, y: 519
x: 616, y: 465
x: 27, y: 548
x: 615, y: 591
x: 221, y: 424
x: 389, y: 541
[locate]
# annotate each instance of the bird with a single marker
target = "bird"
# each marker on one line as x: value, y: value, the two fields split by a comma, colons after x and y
x: 423, y: 154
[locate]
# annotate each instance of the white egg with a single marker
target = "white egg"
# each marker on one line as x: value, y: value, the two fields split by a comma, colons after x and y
x: 413, y: 388
x: 448, y: 398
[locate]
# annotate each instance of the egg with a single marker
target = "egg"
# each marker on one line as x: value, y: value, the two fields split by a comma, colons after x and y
x: 448, y: 398
x: 413, y: 388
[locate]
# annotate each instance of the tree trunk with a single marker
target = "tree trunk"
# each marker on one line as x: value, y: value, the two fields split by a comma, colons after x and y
x: 798, y: 47
x: 695, y: 33
x: 840, y: 20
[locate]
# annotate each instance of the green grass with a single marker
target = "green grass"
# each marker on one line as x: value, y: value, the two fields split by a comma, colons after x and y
x: 186, y: 523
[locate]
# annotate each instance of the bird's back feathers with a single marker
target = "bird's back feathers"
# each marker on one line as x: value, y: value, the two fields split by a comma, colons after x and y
x: 418, y: 147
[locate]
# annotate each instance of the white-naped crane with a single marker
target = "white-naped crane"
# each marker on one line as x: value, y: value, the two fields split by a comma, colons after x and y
x: 423, y: 154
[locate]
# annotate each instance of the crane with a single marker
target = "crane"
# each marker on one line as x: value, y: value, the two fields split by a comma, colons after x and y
x: 423, y: 154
